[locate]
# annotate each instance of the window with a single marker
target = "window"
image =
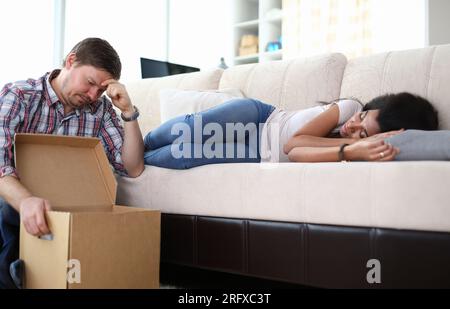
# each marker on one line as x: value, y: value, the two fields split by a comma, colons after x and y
x: 398, y: 25
x: 200, y: 32
x: 134, y: 28
x: 27, y: 39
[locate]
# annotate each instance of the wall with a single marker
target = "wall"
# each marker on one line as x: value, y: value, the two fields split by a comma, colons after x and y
x: 200, y: 32
x: 438, y: 22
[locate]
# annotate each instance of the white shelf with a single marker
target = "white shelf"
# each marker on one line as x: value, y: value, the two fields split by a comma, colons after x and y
x: 248, y: 24
x: 247, y: 57
x: 273, y: 19
x: 257, y: 17
x: 276, y: 53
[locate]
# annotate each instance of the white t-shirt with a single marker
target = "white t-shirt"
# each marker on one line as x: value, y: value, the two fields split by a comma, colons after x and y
x: 282, y: 125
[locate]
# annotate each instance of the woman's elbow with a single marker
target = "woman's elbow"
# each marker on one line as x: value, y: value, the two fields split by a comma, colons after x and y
x: 289, y: 145
x: 293, y: 155
x: 287, y: 148
x: 293, y: 142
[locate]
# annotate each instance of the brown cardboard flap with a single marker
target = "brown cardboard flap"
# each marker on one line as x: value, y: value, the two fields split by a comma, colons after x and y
x: 71, y: 172
x: 118, y: 249
x: 46, y: 260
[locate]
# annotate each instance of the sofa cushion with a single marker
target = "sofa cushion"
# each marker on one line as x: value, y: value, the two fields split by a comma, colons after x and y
x: 175, y: 102
x: 421, y: 145
x: 290, y: 84
x: 397, y: 195
x: 145, y: 93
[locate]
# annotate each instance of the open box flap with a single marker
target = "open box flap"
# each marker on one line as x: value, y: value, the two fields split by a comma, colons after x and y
x: 46, y: 260
x: 73, y: 173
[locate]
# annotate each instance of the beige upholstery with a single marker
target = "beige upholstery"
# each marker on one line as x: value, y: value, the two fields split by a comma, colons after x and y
x: 292, y: 84
x: 390, y: 195
x: 145, y: 93
x: 399, y: 195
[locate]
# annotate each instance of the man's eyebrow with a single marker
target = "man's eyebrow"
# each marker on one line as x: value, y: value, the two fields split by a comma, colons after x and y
x: 97, y: 84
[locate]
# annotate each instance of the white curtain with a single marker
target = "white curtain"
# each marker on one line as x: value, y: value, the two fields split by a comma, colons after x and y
x: 312, y: 27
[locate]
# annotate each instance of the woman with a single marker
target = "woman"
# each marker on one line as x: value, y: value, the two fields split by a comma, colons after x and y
x: 247, y: 130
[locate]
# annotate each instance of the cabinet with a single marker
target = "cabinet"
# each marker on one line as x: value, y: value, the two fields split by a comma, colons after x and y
x: 260, y: 18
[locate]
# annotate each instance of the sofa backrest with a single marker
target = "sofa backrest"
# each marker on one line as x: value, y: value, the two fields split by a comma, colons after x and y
x: 424, y: 71
x: 300, y: 83
x: 145, y: 93
x: 289, y: 84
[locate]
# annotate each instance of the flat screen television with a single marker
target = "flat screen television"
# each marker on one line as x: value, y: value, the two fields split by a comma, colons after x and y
x: 154, y: 68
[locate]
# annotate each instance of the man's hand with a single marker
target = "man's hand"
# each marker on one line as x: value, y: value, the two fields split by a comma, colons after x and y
x: 32, y: 214
x: 119, y: 96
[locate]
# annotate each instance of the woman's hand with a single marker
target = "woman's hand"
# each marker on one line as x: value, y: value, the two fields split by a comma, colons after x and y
x: 382, y: 136
x: 365, y: 150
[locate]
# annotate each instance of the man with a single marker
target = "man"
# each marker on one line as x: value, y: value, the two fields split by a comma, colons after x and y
x: 68, y: 101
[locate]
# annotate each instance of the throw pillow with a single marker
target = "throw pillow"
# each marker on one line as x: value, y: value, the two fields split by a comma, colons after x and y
x: 416, y: 145
x: 175, y: 102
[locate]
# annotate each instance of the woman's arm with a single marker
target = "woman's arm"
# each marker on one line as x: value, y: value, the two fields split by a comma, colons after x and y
x: 360, y: 151
x: 315, y: 141
x: 313, y: 133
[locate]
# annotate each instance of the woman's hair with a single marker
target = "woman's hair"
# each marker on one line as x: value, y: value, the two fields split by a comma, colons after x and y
x: 404, y: 110
x: 340, y: 99
x: 98, y: 53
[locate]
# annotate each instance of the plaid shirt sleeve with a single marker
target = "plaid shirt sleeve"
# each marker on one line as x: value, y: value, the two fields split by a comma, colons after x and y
x: 11, y: 113
x: 111, y: 135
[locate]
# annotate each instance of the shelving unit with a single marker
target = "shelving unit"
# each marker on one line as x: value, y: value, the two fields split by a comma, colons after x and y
x: 262, y: 18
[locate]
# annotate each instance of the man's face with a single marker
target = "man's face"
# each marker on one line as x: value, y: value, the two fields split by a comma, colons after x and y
x: 82, y: 84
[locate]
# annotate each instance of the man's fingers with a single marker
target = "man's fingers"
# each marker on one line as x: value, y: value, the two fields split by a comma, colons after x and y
x: 108, y: 82
x: 34, y: 230
x: 42, y: 224
x: 47, y: 205
x: 27, y: 227
x: 112, y: 92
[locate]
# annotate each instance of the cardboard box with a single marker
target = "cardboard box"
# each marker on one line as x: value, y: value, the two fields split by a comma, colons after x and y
x: 245, y: 51
x: 95, y: 244
x: 249, y: 40
x: 248, y: 45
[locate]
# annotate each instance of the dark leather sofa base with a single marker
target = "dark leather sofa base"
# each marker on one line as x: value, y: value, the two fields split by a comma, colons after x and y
x: 307, y: 254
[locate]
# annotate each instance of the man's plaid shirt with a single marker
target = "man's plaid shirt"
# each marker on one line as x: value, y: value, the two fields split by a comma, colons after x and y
x: 32, y: 106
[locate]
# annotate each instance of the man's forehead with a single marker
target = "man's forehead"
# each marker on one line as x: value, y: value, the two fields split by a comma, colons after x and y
x: 97, y: 75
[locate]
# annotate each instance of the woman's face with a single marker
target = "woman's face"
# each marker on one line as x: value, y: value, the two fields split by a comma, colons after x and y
x: 361, y: 125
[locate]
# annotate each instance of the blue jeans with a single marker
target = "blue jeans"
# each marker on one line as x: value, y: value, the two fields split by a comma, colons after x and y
x: 166, y: 147
x: 9, y: 241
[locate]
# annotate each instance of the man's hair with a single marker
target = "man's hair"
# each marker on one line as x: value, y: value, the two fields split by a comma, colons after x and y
x: 98, y: 53
x: 404, y: 110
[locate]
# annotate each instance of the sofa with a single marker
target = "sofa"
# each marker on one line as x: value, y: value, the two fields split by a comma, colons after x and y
x: 331, y: 225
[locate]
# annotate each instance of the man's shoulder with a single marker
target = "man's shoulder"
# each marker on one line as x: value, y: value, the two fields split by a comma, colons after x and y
x: 23, y: 88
